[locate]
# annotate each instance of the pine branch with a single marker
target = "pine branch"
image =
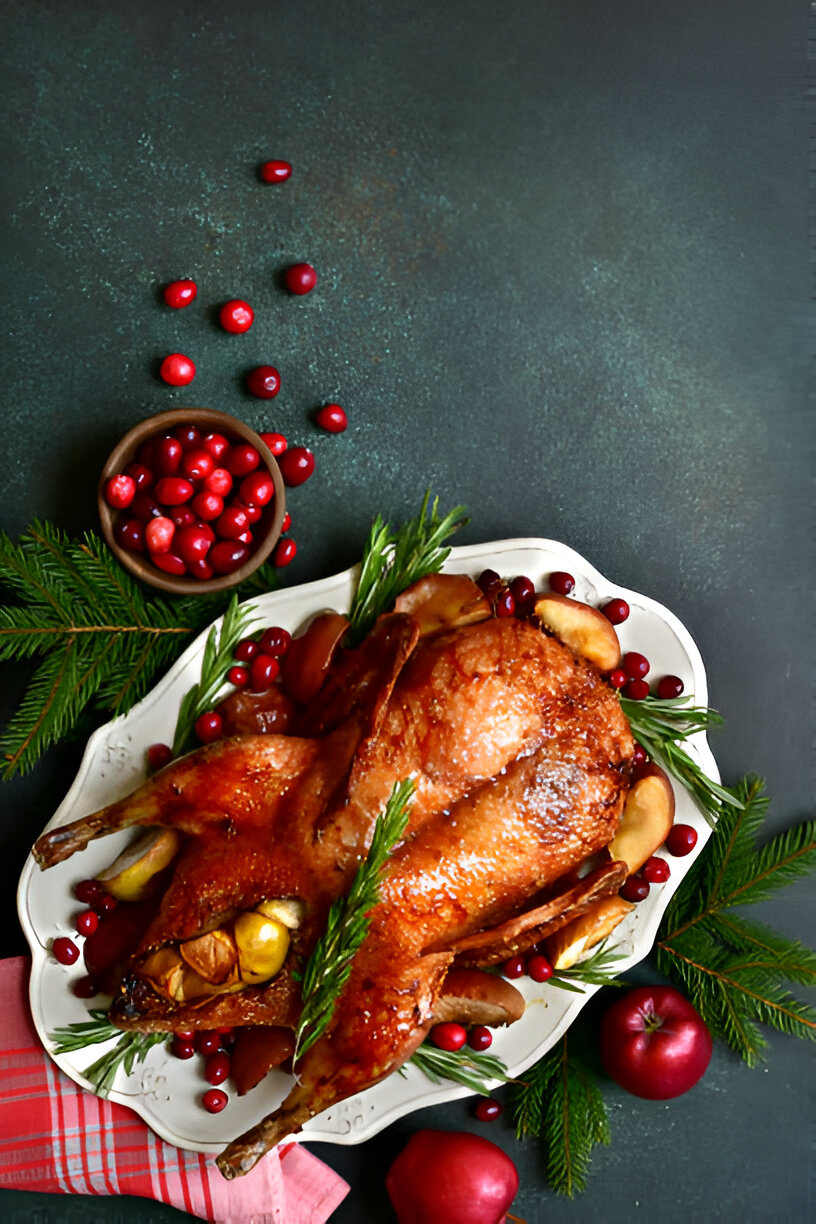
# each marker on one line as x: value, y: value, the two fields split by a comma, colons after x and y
x: 465, y: 1066
x: 393, y: 560
x: 329, y: 967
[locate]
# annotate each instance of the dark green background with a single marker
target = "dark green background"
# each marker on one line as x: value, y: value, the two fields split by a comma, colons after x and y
x: 563, y: 259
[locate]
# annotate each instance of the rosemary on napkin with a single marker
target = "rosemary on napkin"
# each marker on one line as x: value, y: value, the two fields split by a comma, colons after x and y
x: 130, y: 1048
x: 329, y: 966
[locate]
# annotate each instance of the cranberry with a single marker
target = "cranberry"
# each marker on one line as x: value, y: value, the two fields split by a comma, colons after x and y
x: 300, y: 278
x: 514, y: 968
x: 635, y: 889
x: 177, y: 370
x: 616, y: 611
x: 231, y: 523
x: 332, y: 418
x: 246, y: 649
x: 120, y: 491
x: 296, y: 465
x: 87, y: 922
x: 185, y: 1034
x: 159, y: 755
x: 208, y: 727
x: 239, y: 676
x: 227, y: 556
x: 253, y: 513
x: 539, y: 968
x: 88, y: 891
x: 182, y: 1047
x: 65, y: 950
x: 257, y: 489
x: 141, y: 476
x: 236, y: 316
x: 505, y: 603
x: 216, y: 444
x: 480, y: 1037
x: 193, y: 543
x: 85, y: 988
x: 617, y: 678
x: 655, y: 870
x: 146, y: 454
x: 635, y: 665
x: 169, y: 563
x: 561, y: 582
x: 173, y: 491
x: 669, y: 686
x: 129, y: 534
x: 182, y: 516
x: 640, y: 755
x: 487, y: 1110
x: 287, y: 522
x: 207, y: 506
x: 180, y: 293
x: 159, y: 534
x: 201, y: 569
x: 284, y: 553
x: 523, y: 593
x: 207, y: 1042
x: 489, y: 583
x: 275, y: 441
x: 217, y: 1068
x: 681, y: 840
x: 197, y: 464
x: 449, y: 1036
x: 167, y: 456
x: 214, y: 1100
x: 263, y: 671
x: 275, y: 641
x: 104, y: 905
x: 636, y: 690
x: 188, y: 435
x: 263, y: 382
x: 245, y: 537
x: 242, y: 459
x: 219, y: 481
x: 274, y: 171
x: 228, y: 1038
x: 144, y: 507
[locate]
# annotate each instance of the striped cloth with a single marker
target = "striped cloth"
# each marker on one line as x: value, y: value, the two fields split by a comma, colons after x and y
x: 57, y: 1138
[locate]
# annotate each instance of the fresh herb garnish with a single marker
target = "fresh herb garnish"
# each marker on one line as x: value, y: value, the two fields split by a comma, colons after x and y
x: 130, y: 1048
x: 463, y: 1066
x: 661, y: 726
x: 393, y: 560
x: 599, y: 969
x: 329, y: 966
x: 216, y: 662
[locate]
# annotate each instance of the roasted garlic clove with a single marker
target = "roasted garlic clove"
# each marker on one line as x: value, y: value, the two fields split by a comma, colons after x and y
x: 213, y: 956
x: 287, y: 910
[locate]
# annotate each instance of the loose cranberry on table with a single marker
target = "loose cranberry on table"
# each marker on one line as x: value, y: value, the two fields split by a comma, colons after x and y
x: 449, y: 1036
x: 177, y: 370
x: 214, y: 1100
x: 488, y: 1110
x: 669, y: 686
x: 180, y: 293
x: 284, y: 553
x: 208, y: 726
x: 120, y: 491
x: 300, y: 278
x: 332, y: 418
x: 236, y: 316
x: 287, y: 522
x: 263, y: 382
x: 296, y: 465
x: 681, y: 840
x: 65, y: 950
x: 274, y: 171
x: 275, y: 441
x: 616, y: 611
x: 561, y: 582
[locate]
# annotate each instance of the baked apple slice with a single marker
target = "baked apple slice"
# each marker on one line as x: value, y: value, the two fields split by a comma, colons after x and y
x: 572, y: 943
x: 585, y: 630
x: 648, y: 814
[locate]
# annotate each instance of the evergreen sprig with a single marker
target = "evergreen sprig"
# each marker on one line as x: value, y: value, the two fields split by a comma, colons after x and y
x: 599, y: 969
x: 98, y: 638
x: 560, y: 1103
x: 329, y: 966
x: 662, y: 726
x: 735, y: 971
x: 394, y: 559
x: 465, y: 1066
x: 129, y: 1049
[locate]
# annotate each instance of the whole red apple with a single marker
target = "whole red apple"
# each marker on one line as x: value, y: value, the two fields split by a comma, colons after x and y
x: 451, y: 1177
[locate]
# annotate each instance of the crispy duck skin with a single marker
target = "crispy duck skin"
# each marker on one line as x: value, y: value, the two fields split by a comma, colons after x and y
x: 521, y: 758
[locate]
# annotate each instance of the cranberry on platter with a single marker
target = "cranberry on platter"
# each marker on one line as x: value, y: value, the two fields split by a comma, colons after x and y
x: 65, y: 950
x: 449, y: 1036
x: 209, y: 726
x: 214, y: 1100
x: 635, y: 889
x: 300, y: 278
x: 561, y: 582
x: 669, y: 687
x: 480, y: 1037
x: 681, y: 840
x: 616, y: 611
x: 655, y: 870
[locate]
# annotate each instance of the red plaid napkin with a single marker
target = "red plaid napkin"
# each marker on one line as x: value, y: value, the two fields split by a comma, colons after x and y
x: 57, y: 1138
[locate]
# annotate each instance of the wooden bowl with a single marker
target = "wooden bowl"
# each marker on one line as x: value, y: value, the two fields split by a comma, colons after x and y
x: 266, y: 532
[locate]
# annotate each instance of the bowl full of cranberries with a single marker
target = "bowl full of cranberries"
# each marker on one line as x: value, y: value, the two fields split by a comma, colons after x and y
x: 191, y: 501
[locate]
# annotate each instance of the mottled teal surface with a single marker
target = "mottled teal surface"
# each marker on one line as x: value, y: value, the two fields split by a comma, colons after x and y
x: 562, y: 251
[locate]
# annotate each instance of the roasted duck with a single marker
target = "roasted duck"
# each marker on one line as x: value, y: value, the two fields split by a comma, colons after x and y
x: 522, y: 761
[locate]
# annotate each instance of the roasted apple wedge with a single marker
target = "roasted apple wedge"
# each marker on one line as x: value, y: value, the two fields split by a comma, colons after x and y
x: 443, y: 601
x: 585, y: 630
x: 132, y: 875
x: 648, y: 814
x: 572, y: 943
x: 309, y: 656
x: 472, y: 996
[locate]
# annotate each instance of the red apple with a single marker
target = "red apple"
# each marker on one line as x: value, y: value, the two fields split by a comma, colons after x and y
x: 451, y: 1177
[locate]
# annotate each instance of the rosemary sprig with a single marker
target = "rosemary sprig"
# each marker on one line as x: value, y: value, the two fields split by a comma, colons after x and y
x: 661, y: 726
x: 599, y: 969
x: 463, y: 1066
x: 130, y: 1048
x: 393, y: 560
x: 329, y: 966
x: 218, y: 658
